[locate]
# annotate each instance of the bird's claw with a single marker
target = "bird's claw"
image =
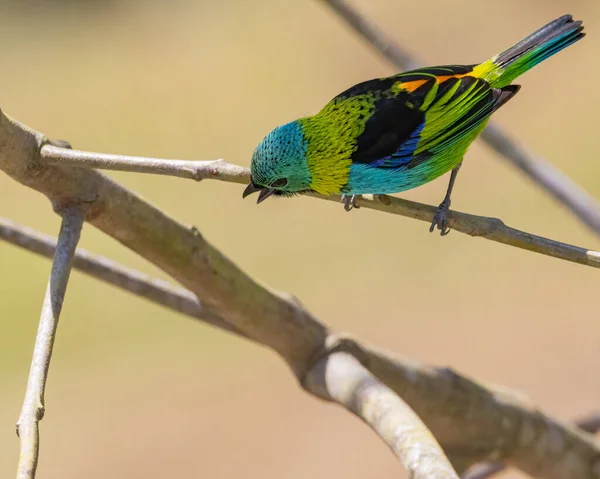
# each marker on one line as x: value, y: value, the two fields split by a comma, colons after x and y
x: 349, y: 202
x: 440, y: 220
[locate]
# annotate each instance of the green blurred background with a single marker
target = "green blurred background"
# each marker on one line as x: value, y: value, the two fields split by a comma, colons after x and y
x: 138, y: 391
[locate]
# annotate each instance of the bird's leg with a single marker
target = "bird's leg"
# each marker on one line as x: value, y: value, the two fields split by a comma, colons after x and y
x: 349, y: 202
x: 441, y: 215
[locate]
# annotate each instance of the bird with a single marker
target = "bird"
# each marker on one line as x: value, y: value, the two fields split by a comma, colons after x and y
x: 392, y: 134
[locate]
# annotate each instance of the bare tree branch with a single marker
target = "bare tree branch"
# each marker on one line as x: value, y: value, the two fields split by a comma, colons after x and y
x: 33, y: 406
x: 472, y: 423
x: 111, y: 272
x: 547, y: 176
x: 486, y: 470
x: 341, y: 378
x: 408, y: 379
x: 488, y: 228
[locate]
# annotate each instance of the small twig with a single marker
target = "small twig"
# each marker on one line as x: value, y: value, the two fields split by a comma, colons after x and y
x: 486, y: 470
x: 553, y: 181
x: 488, y: 228
x: 111, y: 272
x: 341, y: 378
x: 33, y: 406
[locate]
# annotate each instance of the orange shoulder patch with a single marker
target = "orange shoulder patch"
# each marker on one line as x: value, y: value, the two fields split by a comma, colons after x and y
x: 411, y: 86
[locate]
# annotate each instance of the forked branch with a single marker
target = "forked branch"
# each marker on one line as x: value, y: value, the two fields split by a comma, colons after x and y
x: 341, y: 378
x: 435, y: 395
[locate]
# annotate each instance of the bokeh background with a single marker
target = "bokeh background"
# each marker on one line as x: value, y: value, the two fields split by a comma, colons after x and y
x: 138, y: 391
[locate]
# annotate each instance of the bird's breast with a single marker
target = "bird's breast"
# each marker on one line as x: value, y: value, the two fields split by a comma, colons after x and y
x: 331, y: 137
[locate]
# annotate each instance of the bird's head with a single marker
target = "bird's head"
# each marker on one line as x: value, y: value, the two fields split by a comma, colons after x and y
x: 279, y: 166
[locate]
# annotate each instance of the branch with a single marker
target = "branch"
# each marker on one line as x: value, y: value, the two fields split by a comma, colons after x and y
x: 433, y: 393
x: 463, y: 415
x: 590, y: 424
x: 547, y: 176
x: 153, y: 289
x: 33, y: 406
x: 516, y: 431
x: 194, y: 170
x: 341, y: 378
x: 488, y: 228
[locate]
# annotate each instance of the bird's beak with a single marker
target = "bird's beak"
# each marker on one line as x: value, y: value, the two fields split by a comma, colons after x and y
x: 250, y: 189
x: 263, y: 193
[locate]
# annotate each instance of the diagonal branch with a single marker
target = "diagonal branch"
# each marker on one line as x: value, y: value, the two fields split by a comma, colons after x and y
x: 341, y: 378
x: 33, y: 406
x: 111, y: 272
x: 488, y: 228
x: 540, y: 171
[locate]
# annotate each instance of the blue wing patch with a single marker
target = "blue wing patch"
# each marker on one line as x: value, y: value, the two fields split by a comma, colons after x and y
x: 404, y: 154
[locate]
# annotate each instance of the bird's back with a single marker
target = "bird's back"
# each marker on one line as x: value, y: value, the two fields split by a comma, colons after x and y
x: 391, y: 134
x: 395, y: 133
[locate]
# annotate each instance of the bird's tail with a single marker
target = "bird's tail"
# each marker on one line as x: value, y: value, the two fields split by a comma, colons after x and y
x: 502, y: 69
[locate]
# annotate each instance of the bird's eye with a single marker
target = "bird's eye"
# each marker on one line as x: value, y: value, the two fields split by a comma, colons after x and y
x: 279, y: 183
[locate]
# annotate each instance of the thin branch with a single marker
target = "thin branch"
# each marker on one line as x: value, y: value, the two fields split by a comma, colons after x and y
x: 590, y: 424
x: 341, y: 378
x: 194, y: 170
x: 33, y: 406
x: 488, y: 228
x: 552, y: 180
x: 155, y: 290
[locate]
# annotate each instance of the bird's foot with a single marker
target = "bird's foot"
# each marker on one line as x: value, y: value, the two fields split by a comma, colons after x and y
x: 440, y: 220
x: 349, y: 202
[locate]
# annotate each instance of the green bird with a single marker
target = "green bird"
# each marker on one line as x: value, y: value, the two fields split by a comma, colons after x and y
x: 392, y: 134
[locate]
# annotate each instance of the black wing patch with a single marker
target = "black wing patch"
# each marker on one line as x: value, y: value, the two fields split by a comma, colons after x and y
x: 392, y: 124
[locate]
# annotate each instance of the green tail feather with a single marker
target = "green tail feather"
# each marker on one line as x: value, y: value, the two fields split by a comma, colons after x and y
x: 536, y: 48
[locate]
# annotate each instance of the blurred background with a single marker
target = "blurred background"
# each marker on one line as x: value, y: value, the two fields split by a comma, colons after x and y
x: 138, y: 391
